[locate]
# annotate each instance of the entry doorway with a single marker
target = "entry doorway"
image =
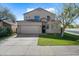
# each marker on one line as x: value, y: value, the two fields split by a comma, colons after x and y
x: 43, y: 29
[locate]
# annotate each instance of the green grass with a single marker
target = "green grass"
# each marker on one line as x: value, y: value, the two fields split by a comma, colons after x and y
x: 55, y: 39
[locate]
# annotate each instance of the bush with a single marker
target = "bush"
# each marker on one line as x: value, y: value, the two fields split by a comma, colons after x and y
x: 5, y: 31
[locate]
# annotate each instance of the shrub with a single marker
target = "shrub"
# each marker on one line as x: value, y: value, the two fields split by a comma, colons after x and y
x: 5, y: 31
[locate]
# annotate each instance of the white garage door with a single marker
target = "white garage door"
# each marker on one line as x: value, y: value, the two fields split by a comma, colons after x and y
x: 31, y: 29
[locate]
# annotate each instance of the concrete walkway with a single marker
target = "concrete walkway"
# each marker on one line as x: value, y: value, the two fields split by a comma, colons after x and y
x: 27, y: 46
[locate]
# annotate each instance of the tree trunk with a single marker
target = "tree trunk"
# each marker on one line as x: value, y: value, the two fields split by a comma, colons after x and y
x: 62, y: 32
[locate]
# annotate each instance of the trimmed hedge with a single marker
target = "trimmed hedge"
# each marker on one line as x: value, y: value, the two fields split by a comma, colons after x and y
x: 5, y: 31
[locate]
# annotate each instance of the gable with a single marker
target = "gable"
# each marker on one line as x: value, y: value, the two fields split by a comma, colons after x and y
x: 39, y: 12
x: 39, y: 9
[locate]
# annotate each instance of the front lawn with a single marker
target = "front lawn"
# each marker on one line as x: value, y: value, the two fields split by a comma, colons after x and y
x: 55, y: 39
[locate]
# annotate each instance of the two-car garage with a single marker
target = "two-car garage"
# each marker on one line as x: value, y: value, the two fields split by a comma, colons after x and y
x: 29, y: 27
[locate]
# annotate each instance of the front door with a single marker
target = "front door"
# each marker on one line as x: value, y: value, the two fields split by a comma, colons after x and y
x: 43, y: 29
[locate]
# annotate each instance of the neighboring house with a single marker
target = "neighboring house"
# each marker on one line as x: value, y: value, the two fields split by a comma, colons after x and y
x: 38, y: 21
x: 5, y: 23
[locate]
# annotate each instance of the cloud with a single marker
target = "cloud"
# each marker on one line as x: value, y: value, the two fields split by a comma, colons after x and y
x: 29, y: 9
x: 48, y: 9
x: 51, y: 10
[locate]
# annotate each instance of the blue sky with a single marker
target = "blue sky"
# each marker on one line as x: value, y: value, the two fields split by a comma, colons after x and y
x: 18, y: 9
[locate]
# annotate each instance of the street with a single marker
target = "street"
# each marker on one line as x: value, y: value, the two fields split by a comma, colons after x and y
x: 73, y: 31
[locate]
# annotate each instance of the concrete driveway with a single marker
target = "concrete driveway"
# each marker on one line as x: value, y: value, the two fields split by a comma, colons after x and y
x: 27, y: 46
x: 19, y: 41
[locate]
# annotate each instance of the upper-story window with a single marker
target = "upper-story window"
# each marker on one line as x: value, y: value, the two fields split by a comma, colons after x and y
x: 27, y: 17
x: 48, y: 18
x: 37, y: 18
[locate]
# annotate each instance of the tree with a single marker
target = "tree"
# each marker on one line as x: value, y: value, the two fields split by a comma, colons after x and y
x: 5, y: 14
x: 69, y: 14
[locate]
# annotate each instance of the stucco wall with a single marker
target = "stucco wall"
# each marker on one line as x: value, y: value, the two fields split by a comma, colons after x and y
x: 40, y: 13
x: 25, y: 27
x: 54, y: 27
x: 14, y: 27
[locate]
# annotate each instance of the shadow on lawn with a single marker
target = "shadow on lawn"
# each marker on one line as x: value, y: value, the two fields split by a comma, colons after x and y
x: 6, y: 37
x: 67, y: 36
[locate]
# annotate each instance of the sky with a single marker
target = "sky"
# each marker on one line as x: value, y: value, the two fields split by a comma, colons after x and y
x: 18, y: 9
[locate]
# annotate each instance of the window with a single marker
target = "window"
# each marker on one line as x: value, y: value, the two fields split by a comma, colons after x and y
x: 37, y: 18
x: 48, y: 18
x: 27, y: 17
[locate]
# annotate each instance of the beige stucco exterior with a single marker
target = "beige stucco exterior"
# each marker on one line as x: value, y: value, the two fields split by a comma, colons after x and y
x: 33, y: 27
x: 14, y: 27
x: 54, y: 27
x: 38, y: 12
x: 5, y: 23
x: 25, y: 27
